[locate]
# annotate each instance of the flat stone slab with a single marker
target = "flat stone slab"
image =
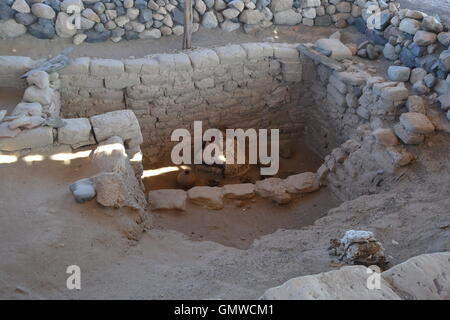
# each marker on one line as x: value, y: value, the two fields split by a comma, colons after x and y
x: 167, y: 199
x: 207, y: 197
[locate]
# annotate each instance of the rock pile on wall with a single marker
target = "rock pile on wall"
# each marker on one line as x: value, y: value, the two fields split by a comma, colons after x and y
x: 100, y: 20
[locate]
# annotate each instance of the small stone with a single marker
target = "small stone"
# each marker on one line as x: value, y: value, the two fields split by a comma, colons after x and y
x: 429, y: 80
x: 390, y: 52
x: 417, y: 74
x: 424, y: 38
x: 444, y: 100
x: 230, y: 26
x: 83, y: 190
x: 209, y: 20
x: 25, y: 18
x: 420, y: 88
x: 397, y: 73
x: 21, y: 6
x: 64, y: 26
x: 42, y: 29
x: 178, y: 30
x: 444, y: 38
x: 42, y: 10
x: 150, y: 34
x: 416, y: 104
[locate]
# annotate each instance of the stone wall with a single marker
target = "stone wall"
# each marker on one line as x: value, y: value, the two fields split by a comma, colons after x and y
x: 101, y: 20
x: 240, y: 86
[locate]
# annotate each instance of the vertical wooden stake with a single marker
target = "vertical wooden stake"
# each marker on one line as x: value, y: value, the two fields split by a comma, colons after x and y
x: 187, y: 36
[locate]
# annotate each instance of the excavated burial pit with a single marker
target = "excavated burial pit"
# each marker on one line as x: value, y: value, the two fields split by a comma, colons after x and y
x: 241, y: 222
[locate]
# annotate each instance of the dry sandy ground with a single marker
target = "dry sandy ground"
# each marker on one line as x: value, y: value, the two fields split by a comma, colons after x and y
x: 43, y: 231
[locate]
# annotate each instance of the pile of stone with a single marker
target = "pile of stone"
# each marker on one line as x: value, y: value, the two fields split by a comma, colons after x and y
x: 32, y: 122
x: 422, y: 44
x: 100, y: 20
x: 418, y: 42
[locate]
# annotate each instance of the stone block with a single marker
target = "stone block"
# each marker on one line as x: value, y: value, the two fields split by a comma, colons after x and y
x: 167, y: 199
x: 76, y: 132
x: 106, y: 67
x: 31, y: 138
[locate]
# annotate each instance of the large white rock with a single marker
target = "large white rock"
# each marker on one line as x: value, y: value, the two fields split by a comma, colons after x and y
x: 208, y: 197
x: 347, y: 283
x: 422, y: 277
x: 76, y: 132
x: 339, y: 51
x: 209, y: 20
x: 167, y: 199
x: 122, y: 123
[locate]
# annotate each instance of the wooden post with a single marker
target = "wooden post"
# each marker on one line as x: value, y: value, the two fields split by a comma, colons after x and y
x: 187, y: 36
